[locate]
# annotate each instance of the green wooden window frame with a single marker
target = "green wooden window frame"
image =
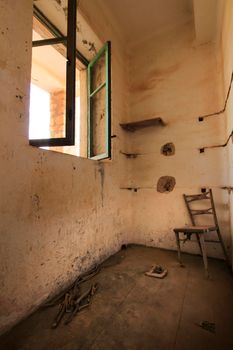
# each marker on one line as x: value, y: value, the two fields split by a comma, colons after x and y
x: 72, y: 54
x: 105, y: 50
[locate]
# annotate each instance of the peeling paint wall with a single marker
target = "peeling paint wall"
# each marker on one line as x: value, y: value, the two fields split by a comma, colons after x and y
x: 59, y: 214
x: 177, y: 79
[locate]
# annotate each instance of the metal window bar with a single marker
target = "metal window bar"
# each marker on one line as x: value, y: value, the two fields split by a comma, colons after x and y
x: 52, y: 41
x: 56, y: 32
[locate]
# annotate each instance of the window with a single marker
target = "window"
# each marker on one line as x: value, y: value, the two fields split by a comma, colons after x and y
x: 99, y: 105
x: 70, y: 97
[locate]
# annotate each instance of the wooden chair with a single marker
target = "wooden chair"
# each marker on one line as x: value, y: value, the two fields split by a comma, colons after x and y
x: 200, y: 231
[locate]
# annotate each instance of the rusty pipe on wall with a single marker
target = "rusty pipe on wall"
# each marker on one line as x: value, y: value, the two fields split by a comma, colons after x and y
x: 217, y: 146
x: 202, y: 117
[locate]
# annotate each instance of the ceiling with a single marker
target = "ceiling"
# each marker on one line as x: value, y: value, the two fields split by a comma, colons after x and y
x: 138, y: 19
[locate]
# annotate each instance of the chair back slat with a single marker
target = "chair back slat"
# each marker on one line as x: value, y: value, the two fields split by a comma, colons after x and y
x: 202, y: 211
x: 197, y: 197
x: 196, y: 212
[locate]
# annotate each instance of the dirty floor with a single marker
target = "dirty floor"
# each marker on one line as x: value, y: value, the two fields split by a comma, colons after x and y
x: 133, y: 311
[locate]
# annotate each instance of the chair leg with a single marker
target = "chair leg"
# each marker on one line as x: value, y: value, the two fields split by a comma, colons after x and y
x: 178, y: 246
x: 198, y: 240
x: 202, y: 243
x: 223, y: 247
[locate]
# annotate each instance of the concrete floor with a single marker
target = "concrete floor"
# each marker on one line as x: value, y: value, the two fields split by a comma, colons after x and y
x: 132, y: 311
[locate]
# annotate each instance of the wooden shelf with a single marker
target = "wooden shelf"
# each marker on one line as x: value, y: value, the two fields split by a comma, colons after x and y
x: 133, y: 126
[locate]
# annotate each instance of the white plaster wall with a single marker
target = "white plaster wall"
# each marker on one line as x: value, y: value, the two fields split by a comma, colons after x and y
x: 59, y: 214
x: 174, y: 77
x: 205, y: 14
x: 226, y: 47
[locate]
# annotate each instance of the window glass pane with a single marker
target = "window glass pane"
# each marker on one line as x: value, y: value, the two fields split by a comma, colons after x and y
x: 48, y: 92
x: 98, y: 73
x: 98, y: 111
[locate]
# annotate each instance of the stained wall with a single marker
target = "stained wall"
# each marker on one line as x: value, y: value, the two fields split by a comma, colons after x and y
x: 177, y: 78
x: 60, y: 214
x: 226, y: 48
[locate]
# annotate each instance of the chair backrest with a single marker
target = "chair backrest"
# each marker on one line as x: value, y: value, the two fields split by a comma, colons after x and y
x: 193, y: 213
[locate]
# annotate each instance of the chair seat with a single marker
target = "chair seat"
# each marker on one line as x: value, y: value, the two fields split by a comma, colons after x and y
x: 196, y: 229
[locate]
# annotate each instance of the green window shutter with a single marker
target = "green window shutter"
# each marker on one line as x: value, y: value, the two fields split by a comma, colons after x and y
x: 99, y: 104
